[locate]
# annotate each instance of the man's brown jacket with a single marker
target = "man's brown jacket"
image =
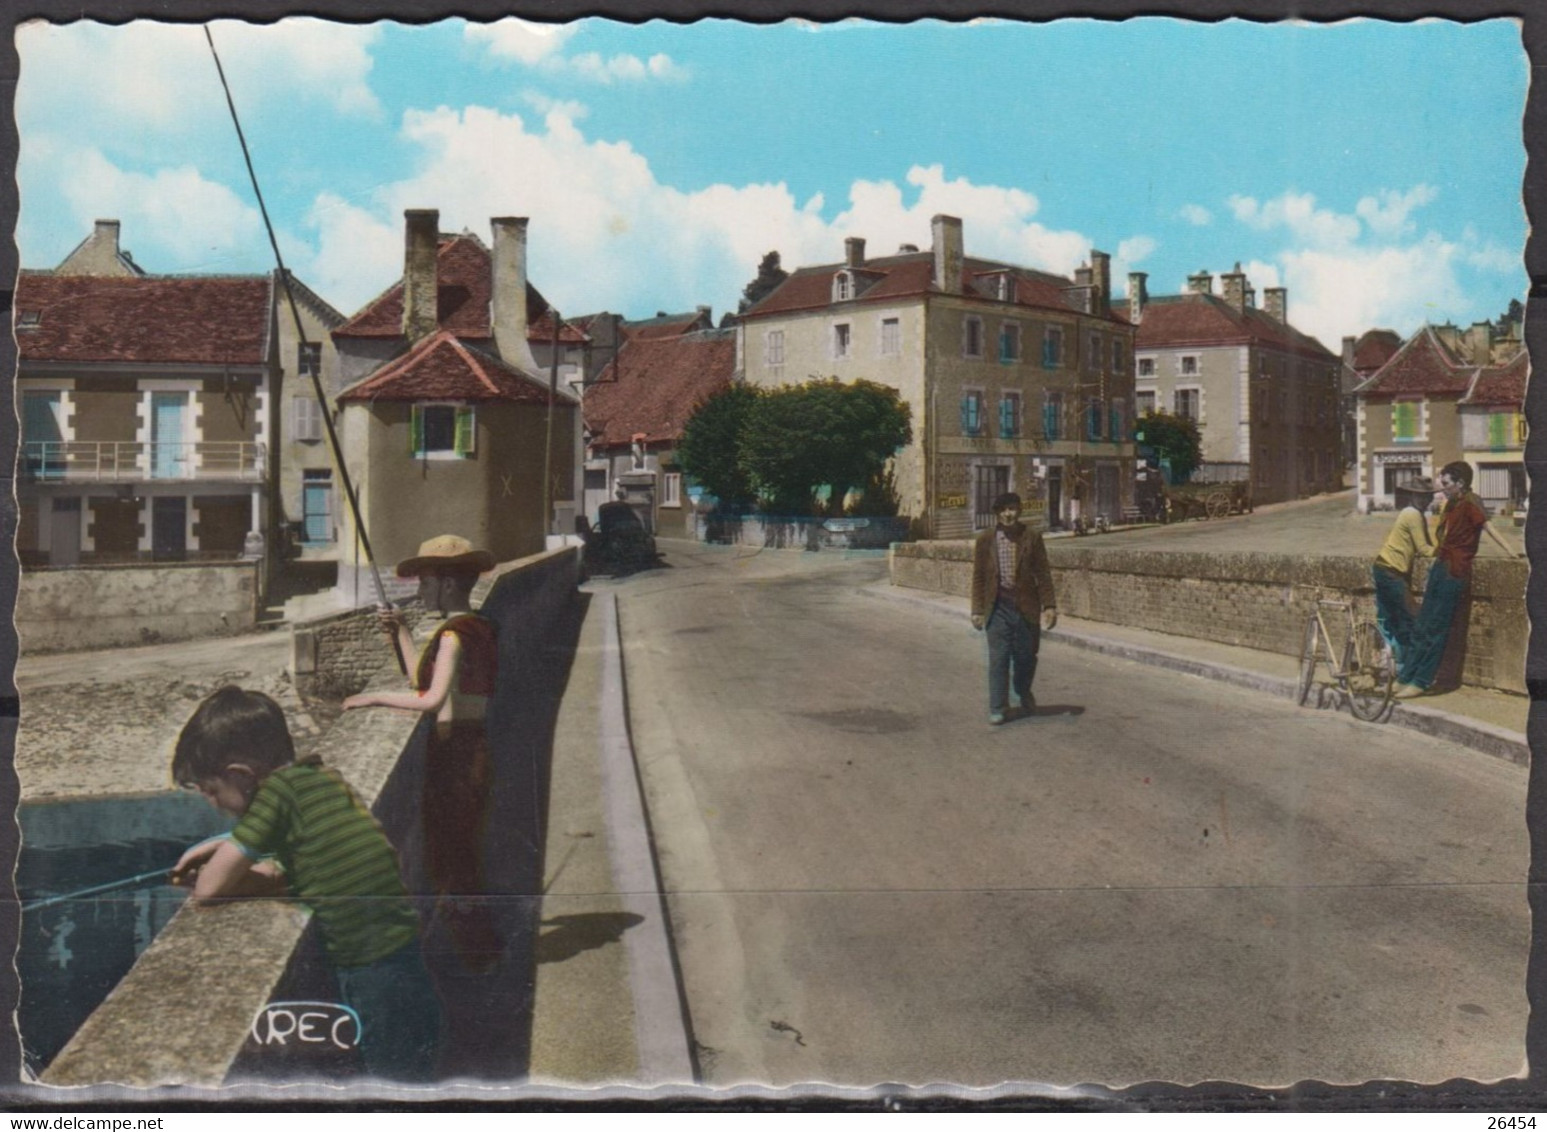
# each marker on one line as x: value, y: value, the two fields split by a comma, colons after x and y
x: 1033, y: 575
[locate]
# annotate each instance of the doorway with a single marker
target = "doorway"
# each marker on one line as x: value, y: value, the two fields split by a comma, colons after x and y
x: 168, y: 415
x: 64, y: 535
x: 169, y: 528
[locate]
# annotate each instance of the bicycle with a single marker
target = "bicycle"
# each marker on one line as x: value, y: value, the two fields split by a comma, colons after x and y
x: 1363, y: 669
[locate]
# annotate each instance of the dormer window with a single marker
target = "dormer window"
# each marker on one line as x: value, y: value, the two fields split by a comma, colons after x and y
x: 28, y: 320
x: 843, y: 286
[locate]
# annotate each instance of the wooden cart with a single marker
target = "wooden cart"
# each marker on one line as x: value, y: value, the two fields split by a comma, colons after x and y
x: 1206, y: 500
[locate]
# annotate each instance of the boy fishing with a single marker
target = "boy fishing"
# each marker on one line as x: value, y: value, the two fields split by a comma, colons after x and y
x: 328, y: 851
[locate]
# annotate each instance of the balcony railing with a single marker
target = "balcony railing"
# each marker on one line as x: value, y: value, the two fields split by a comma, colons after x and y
x: 129, y: 461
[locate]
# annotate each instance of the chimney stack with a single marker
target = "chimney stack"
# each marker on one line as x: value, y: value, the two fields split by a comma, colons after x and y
x: 1083, y: 275
x: 854, y: 251
x: 1233, y: 285
x: 1480, y: 340
x: 1350, y: 344
x: 1201, y: 283
x: 1277, y: 303
x: 1101, y: 265
x: 1138, y: 296
x: 947, y: 232
x: 507, y: 313
x: 421, y: 315
x: 107, y: 232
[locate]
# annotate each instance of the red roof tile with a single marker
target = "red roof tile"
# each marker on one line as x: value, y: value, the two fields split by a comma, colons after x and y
x: 1172, y: 321
x: 462, y: 300
x: 654, y: 384
x: 193, y: 320
x: 1374, y: 349
x: 444, y: 368
x: 1422, y: 365
x: 910, y: 275
x: 666, y: 326
x: 1503, y: 385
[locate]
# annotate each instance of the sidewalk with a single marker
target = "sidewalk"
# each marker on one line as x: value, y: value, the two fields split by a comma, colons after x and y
x: 1491, y: 722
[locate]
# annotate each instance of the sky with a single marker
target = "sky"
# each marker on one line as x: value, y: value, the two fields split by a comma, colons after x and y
x: 1373, y: 169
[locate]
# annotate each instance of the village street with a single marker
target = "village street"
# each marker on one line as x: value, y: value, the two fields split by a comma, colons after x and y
x: 1155, y: 878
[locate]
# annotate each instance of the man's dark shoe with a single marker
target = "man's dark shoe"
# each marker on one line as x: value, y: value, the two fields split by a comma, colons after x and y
x: 1028, y: 705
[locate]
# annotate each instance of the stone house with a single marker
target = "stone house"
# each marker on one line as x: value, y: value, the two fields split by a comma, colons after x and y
x: 1018, y: 379
x: 451, y: 421
x: 1442, y: 397
x: 1362, y: 356
x: 635, y: 410
x: 1264, y: 395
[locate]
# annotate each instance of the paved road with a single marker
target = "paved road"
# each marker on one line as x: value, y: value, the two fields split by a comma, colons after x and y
x: 1157, y: 878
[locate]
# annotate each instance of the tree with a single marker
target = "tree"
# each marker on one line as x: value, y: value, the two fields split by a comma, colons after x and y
x: 801, y: 438
x: 710, y: 449
x: 769, y: 276
x: 1174, y: 439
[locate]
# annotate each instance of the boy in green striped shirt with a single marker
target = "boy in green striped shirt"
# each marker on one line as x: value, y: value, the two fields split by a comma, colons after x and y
x: 329, y: 852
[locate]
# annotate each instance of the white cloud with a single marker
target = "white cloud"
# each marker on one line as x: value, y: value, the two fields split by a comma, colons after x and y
x: 1196, y: 215
x: 521, y: 40
x: 194, y: 224
x: 162, y: 78
x: 1492, y: 257
x: 1332, y: 294
x: 1387, y: 213
x: 545, y: 105
x: 1298, y: 213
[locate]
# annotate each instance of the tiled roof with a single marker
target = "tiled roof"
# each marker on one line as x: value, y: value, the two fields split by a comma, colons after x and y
x: 189, y: 319
x: 1171, y: 321
x: 906, y: 276
x: 654, y: 384
x: 444, y: 368
x: 1501, y: 385
x: 666, y: 325
x: 1374, y: 349
x: 1423, y: 365
x: 463, y: 293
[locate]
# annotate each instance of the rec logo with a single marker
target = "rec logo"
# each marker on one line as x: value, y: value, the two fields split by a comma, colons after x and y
x: 306, y: 1024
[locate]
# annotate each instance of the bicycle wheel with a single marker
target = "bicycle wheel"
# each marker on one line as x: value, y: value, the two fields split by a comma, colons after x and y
x: 1307, y: 661
x: 1371, y: 672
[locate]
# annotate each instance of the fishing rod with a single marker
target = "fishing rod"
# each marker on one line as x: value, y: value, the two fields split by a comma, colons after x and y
x: 97, y: 889
x: 315, y: 370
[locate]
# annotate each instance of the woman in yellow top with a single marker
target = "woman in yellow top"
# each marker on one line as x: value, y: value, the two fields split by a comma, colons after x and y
x: 1409, y: 540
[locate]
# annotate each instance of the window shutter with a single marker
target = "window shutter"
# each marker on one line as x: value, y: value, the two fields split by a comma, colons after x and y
x: 415, y: 429
x: 1116, y: 430
x: 1006, y: 418
x: 465, y: 430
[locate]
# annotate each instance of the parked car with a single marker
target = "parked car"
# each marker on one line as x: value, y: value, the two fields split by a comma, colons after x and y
x: 618, y: 544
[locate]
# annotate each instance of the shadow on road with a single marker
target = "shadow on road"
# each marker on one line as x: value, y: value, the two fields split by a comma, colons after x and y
x: 583, y: 931
x: 1044, y: 711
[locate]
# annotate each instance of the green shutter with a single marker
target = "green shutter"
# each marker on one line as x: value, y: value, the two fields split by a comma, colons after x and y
x: 1498, y: 429
x: 415, y: 430
x: 465, y: 430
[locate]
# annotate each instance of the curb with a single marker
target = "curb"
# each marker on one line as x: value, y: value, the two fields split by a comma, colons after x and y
x: 1473, y: 734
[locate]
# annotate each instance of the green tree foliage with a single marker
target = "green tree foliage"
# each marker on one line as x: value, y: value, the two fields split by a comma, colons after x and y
x: 801, y: 438
x: 710, y: 449
x: 1175, y: 440
x: 769, y: 275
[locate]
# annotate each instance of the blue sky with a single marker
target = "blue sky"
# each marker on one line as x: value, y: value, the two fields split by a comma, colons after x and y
x: 1372, y: 168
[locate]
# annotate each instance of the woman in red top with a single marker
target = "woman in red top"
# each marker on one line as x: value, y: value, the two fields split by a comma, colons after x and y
x: 1462, y: 524
x: 453, y: 682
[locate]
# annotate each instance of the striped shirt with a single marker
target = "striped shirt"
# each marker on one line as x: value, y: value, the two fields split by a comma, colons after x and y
x: 336, y: 859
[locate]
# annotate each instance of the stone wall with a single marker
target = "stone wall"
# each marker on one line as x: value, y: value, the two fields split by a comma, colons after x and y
x: 1258, y: 601
x: 95, y: 607
x: 802, y: 533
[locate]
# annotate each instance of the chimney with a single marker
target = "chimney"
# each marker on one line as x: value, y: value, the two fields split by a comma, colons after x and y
x: 106, y: 232
x: 705, y: 313
x: 507, y: 306
x: 1480, y: 340
x: 1083, y: 276
x: 854, y: 251
x: 1138, y: 296
x: 1350, y: 344
x: 421, y: 316
x: 1101, y: 265
x: 1277, y: 304
x: 947, y: 231
x: 1233, y: 285
x: 1201, y: 283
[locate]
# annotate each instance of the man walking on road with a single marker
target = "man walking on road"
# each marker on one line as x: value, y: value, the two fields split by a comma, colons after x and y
x: 1012, y: 590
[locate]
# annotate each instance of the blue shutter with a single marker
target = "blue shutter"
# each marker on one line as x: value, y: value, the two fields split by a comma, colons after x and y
x: 966, y: 410
x: 1006, y: 418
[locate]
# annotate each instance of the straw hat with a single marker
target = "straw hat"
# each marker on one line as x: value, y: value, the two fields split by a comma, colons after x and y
x: 1421, y: 485
x: 446, y: 552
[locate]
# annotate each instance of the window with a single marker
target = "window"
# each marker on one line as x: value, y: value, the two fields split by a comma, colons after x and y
x: 28, y: 320
x: 1189, y: 365
x: 773, y: 348
x: 306, y: 419
x: 1009, y: 342
x: 841, y: 340
x: 1094, y: 412
x: 1093, y: 357
x: 1052, y: 416
x: 1117, y: 355
x: 1053, y: 347
x: 1185, y: 403
x: 308, y: 358
x: 1146, y: 367
x: 843, y: 286
x: 1009, y: 414
x: 891, y: 337
x: 972, y: 337
x: 1144, y: 401
x: 1117, y: 423
x: 671, y: 489
x: 972, y: 413
x: 1503, y: 430
x: 442, y: 430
